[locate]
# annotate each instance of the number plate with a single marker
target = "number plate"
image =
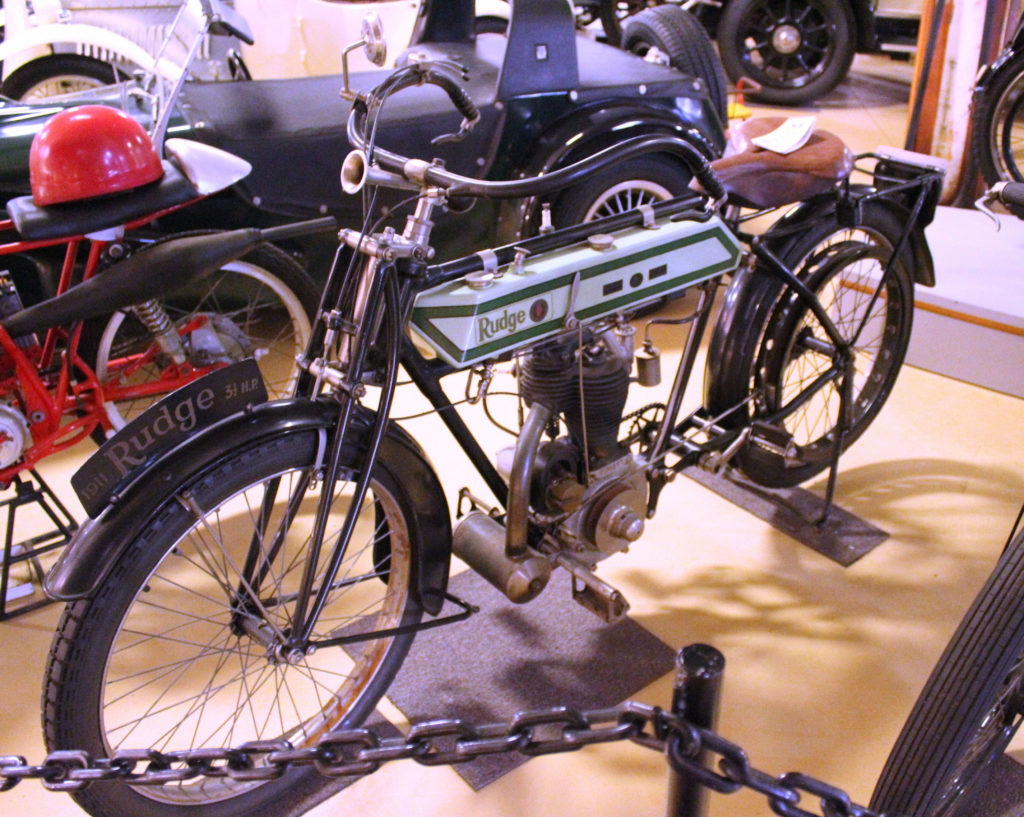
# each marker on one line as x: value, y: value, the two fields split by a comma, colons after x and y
x: 165, y: 424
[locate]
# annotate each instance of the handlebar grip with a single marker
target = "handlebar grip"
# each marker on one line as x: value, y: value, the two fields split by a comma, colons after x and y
x: 456, y: 93
x: 706, y: 175
x: 1011, y: 193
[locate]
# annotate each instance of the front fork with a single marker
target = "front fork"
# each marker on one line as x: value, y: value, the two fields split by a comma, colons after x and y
x: 366, y: 313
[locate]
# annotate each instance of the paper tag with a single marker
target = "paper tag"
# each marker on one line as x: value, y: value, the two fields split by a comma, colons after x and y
x: 787, y: 137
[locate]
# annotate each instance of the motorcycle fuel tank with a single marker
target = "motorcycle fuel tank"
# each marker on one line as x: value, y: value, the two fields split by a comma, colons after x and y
x: 487, y: 314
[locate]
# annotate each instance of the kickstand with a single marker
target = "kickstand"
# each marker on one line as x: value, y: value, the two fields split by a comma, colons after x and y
x: 843, y: 423
x: 28, y: 492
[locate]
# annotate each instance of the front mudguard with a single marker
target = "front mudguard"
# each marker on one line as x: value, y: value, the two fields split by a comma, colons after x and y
x: 99, y: 542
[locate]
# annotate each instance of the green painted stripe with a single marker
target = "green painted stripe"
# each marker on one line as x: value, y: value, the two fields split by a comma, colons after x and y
x: 423, y: 317
x: 589, y: 272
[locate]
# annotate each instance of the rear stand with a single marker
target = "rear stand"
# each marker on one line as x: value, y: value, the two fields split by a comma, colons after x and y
x: 29, y: 492
x: 815, y: 522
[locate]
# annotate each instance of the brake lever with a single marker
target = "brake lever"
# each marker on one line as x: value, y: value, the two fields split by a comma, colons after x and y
x: 463, y: 131
x: 987, y: 198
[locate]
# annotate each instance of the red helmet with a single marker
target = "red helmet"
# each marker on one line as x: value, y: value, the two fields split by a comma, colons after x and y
x: 90, y: 151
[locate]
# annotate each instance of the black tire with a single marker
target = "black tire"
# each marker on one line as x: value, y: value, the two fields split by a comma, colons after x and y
x: 997, y: 138
x: 260, y: 306
x: 623, y: 187
x: 57, y: 74
x: 763, y: 344
x: 490, y: 24
x: 797, y: 50
x: 970, y: 707
x: 170, y: 653
x: 682, y: 38
x: 614, y: 12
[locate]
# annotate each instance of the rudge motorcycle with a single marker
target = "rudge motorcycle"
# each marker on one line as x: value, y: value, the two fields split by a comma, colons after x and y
x: 261, y: 577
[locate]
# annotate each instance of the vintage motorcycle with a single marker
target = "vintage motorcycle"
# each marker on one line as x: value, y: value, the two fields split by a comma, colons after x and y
x: 260, y: 576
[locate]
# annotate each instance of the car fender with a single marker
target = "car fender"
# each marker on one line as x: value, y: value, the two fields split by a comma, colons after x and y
x: 581, y: 135
x: 19, y: 49
x: 99, y: 542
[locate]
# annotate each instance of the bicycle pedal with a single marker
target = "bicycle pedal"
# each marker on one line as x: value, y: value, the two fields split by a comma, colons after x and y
x: 775, y: 440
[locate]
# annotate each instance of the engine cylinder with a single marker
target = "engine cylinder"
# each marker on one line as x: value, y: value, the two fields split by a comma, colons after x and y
x: 588, y: 389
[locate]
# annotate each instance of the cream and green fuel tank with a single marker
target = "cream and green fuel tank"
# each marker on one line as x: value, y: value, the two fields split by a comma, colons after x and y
x: 484, y: 315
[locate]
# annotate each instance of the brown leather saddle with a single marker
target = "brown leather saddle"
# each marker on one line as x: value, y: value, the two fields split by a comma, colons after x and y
x: 755, y: 177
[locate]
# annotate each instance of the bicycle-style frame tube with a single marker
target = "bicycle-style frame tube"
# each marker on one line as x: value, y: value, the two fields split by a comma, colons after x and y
x: 387, y: 307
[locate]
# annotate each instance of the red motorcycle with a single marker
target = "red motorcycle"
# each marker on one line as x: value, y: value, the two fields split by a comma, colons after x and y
x: 87, y: 359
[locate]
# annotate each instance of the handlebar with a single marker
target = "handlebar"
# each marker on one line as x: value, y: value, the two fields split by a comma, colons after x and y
x: 400, y: 171
x: 1009, y: 193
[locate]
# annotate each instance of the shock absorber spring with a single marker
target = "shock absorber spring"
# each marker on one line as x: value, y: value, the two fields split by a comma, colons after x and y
x: 159, y: 324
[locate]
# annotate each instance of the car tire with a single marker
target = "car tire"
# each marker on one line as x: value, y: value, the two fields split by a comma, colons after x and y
x: 797, y: 50
x: 57, y: 74
x: 625, y: 186
x: 684, y: 41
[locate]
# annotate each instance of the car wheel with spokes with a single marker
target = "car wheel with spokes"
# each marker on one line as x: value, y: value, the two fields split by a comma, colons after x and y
x: 623, y: 187
x: 796, y: 50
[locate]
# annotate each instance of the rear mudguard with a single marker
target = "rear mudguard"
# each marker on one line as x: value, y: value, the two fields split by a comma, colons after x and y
x: 924, y: 266
x: 99, y: 542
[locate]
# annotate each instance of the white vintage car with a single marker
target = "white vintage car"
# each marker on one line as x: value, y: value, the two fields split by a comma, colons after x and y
x: 53, y: 47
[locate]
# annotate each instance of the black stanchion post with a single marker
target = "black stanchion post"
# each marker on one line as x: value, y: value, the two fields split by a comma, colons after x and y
x: 699, y: 670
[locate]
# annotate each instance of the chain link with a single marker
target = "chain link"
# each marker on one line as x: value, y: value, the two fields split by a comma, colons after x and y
x: 448, y: 741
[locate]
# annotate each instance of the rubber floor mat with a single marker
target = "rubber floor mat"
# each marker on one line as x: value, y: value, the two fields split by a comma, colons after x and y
x: 510, y: 657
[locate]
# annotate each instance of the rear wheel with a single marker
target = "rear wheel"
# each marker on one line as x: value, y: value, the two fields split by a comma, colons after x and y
x: 56, y: 75
x: 970, y: 708
x: 259, y: 306
x: 181, y: 646
x: 769, y: 348
x: 997, y: 138
x: 675, y: 36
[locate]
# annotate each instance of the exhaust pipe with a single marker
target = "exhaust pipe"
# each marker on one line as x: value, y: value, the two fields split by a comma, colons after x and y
x: 148, y: 274
x: 479, y: 541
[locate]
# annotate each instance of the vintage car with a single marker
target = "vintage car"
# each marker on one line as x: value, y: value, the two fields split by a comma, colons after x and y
x: 797, y: 50
x: 548, y: 95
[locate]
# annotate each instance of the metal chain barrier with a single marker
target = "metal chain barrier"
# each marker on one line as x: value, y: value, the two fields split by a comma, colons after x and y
x: 449, y: 741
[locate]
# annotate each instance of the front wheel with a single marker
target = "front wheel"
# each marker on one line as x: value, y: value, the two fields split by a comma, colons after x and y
x: 180, y: 647
x: 796, y: 49
x: 970, y: 708
x: 997, y: 135
x: 259, y: 306
x: 769, y: 352
x: 56, y: 75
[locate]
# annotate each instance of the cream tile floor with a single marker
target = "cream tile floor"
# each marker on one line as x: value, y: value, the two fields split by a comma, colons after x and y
x: 823, y: 663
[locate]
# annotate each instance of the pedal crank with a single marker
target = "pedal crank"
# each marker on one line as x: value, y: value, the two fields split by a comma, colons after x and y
x: 775, y: 440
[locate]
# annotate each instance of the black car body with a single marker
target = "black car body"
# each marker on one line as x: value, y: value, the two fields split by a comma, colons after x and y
x: 548, y: 95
